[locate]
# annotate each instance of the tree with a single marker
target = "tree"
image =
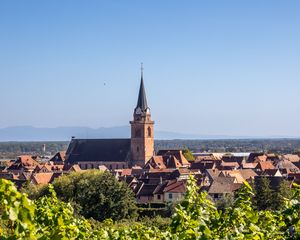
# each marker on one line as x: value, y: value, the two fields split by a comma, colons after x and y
x: 188, y: 154
x: 282, y: 193
x: 267, y: 198
x: 263, y: 194
x: 96, y: 194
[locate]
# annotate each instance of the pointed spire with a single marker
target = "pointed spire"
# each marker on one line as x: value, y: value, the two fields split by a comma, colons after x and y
x: 142, y: 100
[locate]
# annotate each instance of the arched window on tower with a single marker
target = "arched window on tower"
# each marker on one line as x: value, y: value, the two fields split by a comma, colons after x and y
x: 149, y: 131
x: 138, y: 133
x: 137, y: 149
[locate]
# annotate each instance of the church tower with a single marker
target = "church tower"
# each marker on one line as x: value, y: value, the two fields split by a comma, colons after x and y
x: 142, y: 131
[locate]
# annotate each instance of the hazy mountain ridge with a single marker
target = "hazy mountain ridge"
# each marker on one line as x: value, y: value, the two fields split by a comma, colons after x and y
x: 29, y: 133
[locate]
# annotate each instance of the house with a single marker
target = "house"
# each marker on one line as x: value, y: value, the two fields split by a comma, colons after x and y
x: 59, y: 158
x: 241, y: 175
x: 262, y: 166
x: 23, y: 163
x: 253, y: 157
x: 174, y: 153
x: 222, y: 186
x: 158, y: 193
x: 44, y: 178
x: 174, y: 191
x: 163, y: 162
x: 285, y: 164
x: 145, y: 192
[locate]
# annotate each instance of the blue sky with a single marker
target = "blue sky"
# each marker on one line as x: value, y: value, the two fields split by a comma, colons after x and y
x: 210, y: 67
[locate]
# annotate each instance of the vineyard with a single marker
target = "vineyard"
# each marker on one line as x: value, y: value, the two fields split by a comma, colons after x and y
x: 194, y: 218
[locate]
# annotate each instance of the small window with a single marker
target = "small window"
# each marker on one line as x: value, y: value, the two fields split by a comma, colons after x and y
x: 149, y: 131
x: 158, y: 196
x: 137, y: 149
x: 170, y: 195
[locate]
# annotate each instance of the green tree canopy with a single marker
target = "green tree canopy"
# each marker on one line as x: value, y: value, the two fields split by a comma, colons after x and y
x: 96, y: 194
x: 188, y: 154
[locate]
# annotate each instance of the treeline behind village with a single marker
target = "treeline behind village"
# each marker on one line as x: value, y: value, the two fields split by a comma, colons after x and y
x: 281, y: 146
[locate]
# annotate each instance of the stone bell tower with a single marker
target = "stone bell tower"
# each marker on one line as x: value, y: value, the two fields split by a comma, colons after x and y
x: 142, y: 130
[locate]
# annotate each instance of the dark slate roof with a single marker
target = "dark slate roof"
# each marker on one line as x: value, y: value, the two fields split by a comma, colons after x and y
x: 142, y: 100
x: 146, y: 190
x: 98, y: 150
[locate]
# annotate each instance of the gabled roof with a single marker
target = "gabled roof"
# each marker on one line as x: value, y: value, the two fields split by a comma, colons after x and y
x: 292, y: 157
x: 212, y: 173
x: 43, y: 178
x: 243, y: 173
x: 175, y: 187
x: 23, y: 162
x: 160, y: 188
x: 224, y: 185
x: 265, y: 165
x: 59, y: 157
x: 236, y: 175
x: 163, y: 162
x: 98, y: 150
x: 146, y: 190
x: 176, y: 153
x: 261, y: 158
x: 252, y: 156
x: 286, y: 164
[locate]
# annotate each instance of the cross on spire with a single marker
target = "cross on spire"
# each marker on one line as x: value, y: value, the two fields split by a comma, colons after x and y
x: 142, y: 68
x: 142, y: 100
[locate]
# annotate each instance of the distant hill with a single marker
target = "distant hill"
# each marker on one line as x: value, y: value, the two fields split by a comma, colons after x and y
x: 29, y: 133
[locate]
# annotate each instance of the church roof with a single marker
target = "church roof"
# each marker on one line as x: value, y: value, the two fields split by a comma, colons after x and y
x: 142, y: 100
x: 98, y: 150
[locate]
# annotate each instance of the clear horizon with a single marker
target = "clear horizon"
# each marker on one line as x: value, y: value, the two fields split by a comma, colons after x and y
x: 210, y: 68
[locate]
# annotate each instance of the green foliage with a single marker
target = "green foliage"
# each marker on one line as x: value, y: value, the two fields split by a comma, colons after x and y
x: 226, y: 201
x: 188, y: 154
x: 96, y: 194
x: 267, y: 198
x: 195, y: 218
x: 56, y: 219
x: 34, y: 191
x: 263, y: 194
x: 17, y: 213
